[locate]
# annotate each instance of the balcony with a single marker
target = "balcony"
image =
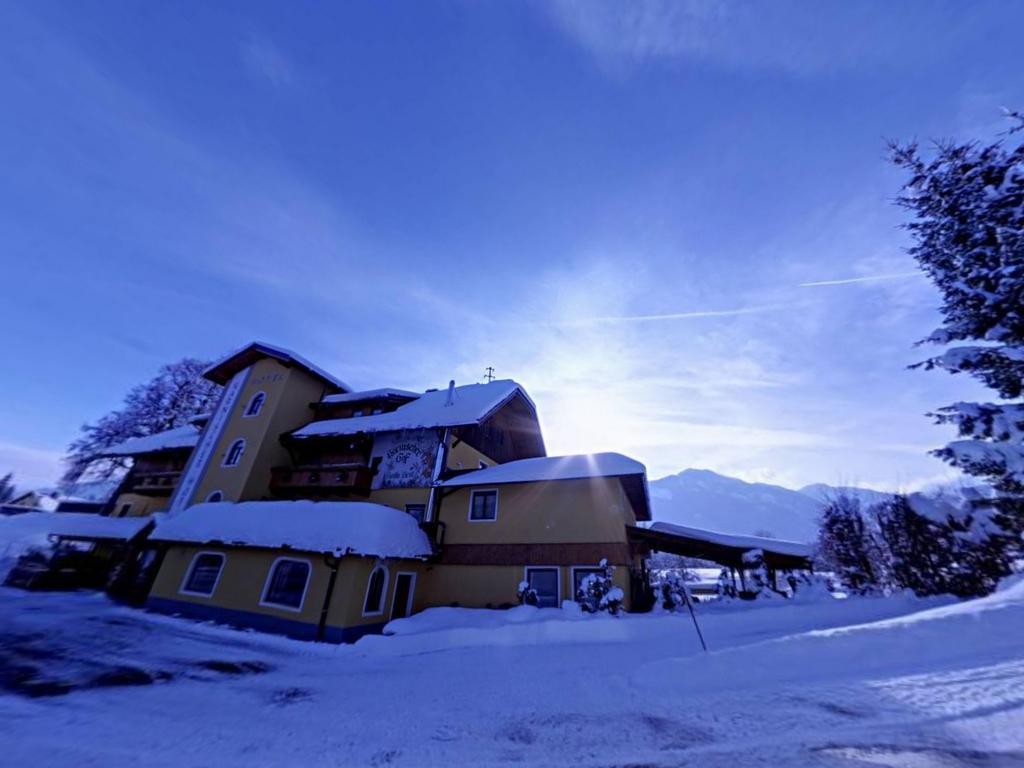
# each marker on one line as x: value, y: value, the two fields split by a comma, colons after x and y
x: 154, y: 483
x: 321, y: 480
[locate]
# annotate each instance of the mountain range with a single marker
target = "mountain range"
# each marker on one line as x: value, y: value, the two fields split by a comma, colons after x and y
x: 705, y: 499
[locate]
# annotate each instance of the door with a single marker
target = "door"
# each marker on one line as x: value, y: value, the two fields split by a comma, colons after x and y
x: 401, y: 603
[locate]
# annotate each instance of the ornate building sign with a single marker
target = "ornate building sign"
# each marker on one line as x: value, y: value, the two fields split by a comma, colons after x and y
x: 407, y: 458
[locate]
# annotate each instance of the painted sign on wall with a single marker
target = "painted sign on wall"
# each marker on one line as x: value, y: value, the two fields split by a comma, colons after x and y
x: 407, y: 458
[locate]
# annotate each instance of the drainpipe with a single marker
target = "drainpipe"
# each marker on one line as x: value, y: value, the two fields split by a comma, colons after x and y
x: 332, y: 562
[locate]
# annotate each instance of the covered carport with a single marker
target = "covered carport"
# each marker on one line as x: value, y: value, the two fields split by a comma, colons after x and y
x: 727, y: 550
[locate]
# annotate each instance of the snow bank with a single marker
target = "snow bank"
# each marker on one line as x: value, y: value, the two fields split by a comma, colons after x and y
x: 552, y: 468
x: 19, y: 534
x: 471, y: 404
x: 341, y: 527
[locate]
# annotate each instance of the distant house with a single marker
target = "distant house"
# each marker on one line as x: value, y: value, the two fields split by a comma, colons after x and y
x: 50, y: 500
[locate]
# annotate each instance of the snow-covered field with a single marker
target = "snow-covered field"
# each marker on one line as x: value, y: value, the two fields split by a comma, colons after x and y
x: 839, y: 683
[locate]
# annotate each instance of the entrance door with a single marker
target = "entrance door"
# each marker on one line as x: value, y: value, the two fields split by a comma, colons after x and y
x: 401, y: 603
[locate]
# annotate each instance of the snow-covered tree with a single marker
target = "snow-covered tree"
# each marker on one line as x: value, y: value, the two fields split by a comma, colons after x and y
x: 847, y: 545
x: 967, y: 202
x: 176, y: 394
x: 7, y: 489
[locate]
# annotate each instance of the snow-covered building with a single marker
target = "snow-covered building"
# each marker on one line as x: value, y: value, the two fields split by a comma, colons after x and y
x: 304, y: 507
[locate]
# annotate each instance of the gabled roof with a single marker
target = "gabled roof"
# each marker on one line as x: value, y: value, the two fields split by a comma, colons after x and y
x: 470, y: 404
x: 552, y: 468
x: 369, y: 394
x: 338, y: 527
x: 180, y: 437
x: 632, y: 474
x: 222, y: 371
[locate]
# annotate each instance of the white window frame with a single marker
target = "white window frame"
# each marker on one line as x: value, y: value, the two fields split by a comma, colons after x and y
x: 270, y: 575
x: 211, y: 500
x: 572, y: 575
x: 191, y: 567
x: 412, y: 591
x: 383, y: 592
x: 227, y: 453
x: 556, y: 568
x: 472, y: 494
x: 248, y: 406
x: 125, y: 509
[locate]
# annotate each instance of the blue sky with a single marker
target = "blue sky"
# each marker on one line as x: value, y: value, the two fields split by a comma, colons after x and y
x: 671, y: 222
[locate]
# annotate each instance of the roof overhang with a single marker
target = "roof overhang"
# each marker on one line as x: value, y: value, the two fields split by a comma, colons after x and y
x: 704, y: 548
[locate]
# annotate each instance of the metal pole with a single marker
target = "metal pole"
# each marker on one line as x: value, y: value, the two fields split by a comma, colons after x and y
x: 693, y: 615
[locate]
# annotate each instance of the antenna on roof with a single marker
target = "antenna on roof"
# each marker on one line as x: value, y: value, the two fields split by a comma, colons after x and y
x: 489, y: 374
x: 451, y: 394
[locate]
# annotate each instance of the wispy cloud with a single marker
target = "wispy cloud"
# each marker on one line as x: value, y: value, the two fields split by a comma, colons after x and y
x: 695, y: 314
x: 264, y: 59
x: 863, y: 279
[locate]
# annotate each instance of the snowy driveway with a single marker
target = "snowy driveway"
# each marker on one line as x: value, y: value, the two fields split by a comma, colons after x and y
x: 786, y: 684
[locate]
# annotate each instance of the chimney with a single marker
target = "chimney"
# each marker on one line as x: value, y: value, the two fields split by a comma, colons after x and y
x: 451, y: 394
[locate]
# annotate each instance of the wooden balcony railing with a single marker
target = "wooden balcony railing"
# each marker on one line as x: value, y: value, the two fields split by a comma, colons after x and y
x: 321, y: 480
x: 154, y: 483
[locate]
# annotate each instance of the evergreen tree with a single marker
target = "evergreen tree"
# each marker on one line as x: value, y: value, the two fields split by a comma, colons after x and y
x: 7, y: 489
x: 176, y: 394
x: 847, y: 546
x: 967, y: 202
x: 917, y: 547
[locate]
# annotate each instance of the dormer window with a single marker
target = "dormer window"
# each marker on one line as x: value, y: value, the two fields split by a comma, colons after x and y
x: 234, y: 454
x: 255, y: 405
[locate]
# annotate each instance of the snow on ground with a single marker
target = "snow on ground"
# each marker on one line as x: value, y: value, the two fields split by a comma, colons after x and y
x: 896, y: 681
x: 19, y: 534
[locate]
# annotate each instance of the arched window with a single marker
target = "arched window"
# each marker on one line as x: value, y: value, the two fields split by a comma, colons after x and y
x: 375, y: 591
x: 255, y: 404
x: 215, y: 496
x: 234, y: 454
x: 286, y: 584
x: 204, y: 574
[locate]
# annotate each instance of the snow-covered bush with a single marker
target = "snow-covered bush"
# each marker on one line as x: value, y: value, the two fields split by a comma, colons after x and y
x: 527, y: 595
x: 598, y: 591
x: 671, y: 590
x: 725, y: 587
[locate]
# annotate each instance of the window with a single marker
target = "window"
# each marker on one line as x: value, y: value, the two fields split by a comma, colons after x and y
x: 125, y: 509
x: 215, y: 497
x: 255, y: 404
x: 377, y: 411
x: 481, y: 465
x: 203, y: 574
x: 234, y: 454
x: 579, y: 575
x: 356, y: 413
x: 419, y: 511
x: 483, y: 506
x: 544, y: 581
x: 286, y: 585
x: 375, y: 589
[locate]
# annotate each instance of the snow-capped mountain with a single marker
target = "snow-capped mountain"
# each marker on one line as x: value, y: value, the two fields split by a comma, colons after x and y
x: 706, y: 499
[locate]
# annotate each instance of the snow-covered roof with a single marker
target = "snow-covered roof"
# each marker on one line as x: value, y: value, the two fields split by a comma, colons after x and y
x: 470, y: 404
x: 552, y: 468
x: 368, y: 394
x: 180, y: 437
x: 780, y: 546
x: 222, y: 371
x: 340, y: 527
x: 77, y: 525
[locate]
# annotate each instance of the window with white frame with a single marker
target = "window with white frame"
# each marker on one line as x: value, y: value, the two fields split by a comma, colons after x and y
x: 286, y: 585
x: 544, y: 581
x: 203, y: 574
x: 483, y: 506
x: 234, y: 454
x: 215, y: 497
x: 375, y: 591
x: 255, y: 405
x: 418, y: 511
